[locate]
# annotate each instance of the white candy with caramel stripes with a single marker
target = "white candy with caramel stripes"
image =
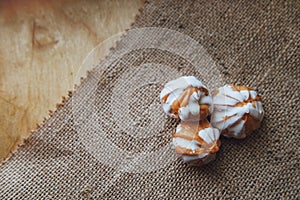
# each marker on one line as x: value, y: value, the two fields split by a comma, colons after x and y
x: 196, y: 142
x: 186, y: 98
x: 237, y: 111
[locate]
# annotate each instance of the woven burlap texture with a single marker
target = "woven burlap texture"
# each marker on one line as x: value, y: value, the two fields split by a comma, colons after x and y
x: 111, y: 140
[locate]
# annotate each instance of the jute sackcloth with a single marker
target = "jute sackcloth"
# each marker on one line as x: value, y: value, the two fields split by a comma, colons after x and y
x: 111, y: 140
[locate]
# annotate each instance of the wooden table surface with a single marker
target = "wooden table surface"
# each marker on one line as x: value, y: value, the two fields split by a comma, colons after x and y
x: 43, y: 44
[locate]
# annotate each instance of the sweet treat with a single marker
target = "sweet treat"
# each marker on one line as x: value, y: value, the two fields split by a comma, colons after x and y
x: 237, y: 111
x: 186, y: 98
x: 196, y: 142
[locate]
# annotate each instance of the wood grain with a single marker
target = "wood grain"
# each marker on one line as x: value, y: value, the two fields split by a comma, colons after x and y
x: 43, y: 44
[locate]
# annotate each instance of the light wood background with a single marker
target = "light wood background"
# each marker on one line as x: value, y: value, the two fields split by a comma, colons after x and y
x: 43, y: 44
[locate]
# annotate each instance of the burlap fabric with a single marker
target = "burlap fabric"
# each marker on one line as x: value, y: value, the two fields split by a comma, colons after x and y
x: 111, y: 140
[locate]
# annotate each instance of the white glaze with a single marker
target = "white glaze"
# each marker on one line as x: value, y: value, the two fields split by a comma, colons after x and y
x: 208, y: 135
x: 180, y: 84
x: 192, y: 145
x: 192, y: 108
x: 224, y: 106
x: 175, y: 89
